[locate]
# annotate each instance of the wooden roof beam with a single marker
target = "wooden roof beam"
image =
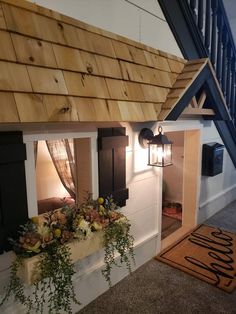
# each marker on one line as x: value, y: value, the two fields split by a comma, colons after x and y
x: 198, y: 111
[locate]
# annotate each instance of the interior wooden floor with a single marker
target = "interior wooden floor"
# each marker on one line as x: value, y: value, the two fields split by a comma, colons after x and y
x: 169, y: 225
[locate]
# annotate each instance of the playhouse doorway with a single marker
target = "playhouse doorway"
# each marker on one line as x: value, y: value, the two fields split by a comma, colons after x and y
x: 172, y: 197
x: 180, y: 186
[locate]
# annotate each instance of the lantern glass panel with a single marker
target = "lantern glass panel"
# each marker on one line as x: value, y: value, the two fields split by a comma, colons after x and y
x: 160, y: 155
x: 152, y: 154
x: 167, y: 154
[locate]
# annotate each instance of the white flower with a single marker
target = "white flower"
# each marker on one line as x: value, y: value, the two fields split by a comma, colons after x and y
x: 122, y: 220
x: 83, y: 224
x: 83, y: 229
x: 43, y: 230
x: 88, y: 233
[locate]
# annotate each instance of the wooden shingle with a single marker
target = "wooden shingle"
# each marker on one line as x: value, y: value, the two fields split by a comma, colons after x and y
x: 150, y: 111
x: 85, y: 85
x: 154, y: 93
x: 30, y: 107
x: 60, y: 108
x: 14, y: 77
x: 7, y: 51
x: 33, y: 51
x: 2, y: 19
x: 122, y: 51
x: 121, y: 90
x: 48, y: 81
x: 90, y: 109
x: 8, y: 112
x: 68, y: 58
x: 130, y: 111
x: 142, y: 74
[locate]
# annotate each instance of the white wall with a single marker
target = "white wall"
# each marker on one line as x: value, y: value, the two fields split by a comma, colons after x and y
x: 218, y: 191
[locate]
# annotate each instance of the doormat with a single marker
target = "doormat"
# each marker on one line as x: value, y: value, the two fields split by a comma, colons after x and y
x: 207, y: 253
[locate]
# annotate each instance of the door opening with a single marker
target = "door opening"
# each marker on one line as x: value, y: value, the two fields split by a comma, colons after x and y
x: 172, y: 198
x: 180, y: 186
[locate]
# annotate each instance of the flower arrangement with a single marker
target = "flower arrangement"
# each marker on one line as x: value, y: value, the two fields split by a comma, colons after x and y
x: 48, y: 234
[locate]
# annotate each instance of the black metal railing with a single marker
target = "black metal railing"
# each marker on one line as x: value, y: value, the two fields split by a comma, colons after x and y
x: 212, y: 23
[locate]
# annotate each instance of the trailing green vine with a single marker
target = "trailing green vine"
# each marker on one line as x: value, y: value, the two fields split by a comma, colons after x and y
x: 53, y: 289
x: 117, y: 238
x: 16, y: 286
x: 55, y: 285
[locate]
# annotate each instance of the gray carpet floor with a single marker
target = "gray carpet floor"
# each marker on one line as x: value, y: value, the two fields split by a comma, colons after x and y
x: 158, y: 288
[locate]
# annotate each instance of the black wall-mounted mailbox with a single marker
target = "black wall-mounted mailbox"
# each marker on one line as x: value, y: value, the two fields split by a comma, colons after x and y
x: 212, y: 159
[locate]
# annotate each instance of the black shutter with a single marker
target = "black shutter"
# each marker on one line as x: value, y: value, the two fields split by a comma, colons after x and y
x: 112, y: 164
x: 13, y: 197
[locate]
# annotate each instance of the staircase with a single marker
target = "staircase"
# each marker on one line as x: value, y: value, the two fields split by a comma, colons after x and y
x: 201, y: 29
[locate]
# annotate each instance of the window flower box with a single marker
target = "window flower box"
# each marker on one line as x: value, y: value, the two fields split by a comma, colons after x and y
x: 79, y: 249
x: 50, y: 244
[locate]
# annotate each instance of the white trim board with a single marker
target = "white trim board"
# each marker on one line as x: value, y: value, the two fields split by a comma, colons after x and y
x: 216, y: 203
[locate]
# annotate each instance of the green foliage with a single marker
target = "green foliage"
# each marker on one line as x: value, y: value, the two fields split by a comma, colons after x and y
x: 53, y: 289
x: 56, y: 286
x: 16, y: 286
x: 117, y: 238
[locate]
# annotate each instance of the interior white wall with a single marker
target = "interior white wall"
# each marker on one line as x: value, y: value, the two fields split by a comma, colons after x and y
x: 174, y: 173
x: 47, y: 180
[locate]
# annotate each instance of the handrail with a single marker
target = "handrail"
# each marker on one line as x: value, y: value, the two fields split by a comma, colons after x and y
x: 211, y: 21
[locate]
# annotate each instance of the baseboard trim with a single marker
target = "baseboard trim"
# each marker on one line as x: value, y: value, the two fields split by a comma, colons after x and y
x: 216, y: 203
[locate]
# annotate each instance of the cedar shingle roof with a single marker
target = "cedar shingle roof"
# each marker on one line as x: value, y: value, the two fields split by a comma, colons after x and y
x: 55, y: 68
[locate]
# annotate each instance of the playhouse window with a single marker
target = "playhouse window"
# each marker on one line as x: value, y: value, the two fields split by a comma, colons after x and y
x: 75, y: 152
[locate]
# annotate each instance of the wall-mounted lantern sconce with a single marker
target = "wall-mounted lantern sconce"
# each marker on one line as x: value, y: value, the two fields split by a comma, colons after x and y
x: 159, y: 147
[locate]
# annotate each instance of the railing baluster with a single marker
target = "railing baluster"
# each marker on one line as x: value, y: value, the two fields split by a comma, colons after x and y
x: 232, y: 82
x: 224, y: 61
x: 234, y: 116
x: 200, y: 16
x: 228, y: 79
x: 193, y: 6
x: 208, y: 25
x: 232, y: 95
x: 219, y: 47
x: 214, y: 7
